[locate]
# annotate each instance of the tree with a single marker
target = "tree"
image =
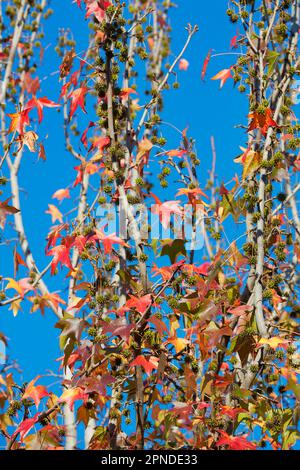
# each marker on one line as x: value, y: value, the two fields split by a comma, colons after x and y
x: 200, y: 352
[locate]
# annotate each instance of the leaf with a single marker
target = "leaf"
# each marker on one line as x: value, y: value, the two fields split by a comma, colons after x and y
x: 42, y: 153
x: 61, y: 254
x: 262, y: 121
x: 192, y: 194
x: 40, y: 103
x: 165, y: 209
x: 83, y: 138
x: 97, y: 8
x: 78, y: 99
x: 67, y: 63
x: 107, y: 240
x: 223, y: 75
x: 148, y: 365
x: 272, y: 59
x: 26, y: 425
x: 233, y: 42
x: 176, y: 153
x: 43, y: 301
x: 71, y: 327
x: 100, y: 143
x: 22, y: 286
x: 5, y: 209
x: 173, y: 248
x: 118, y: 327
x: 179, y: 344
x: 234, y: 442
x: 83, y: 415
x: 274, y: 342
x: 18, y: 261
x: 29, y: 139
x: 205, y: 64
x: 159, y: 325
x: 141, y: 304
x: 35, y: 392
x: 144, y: 149
x: 125, y: 92
x: 71, y: 395
x: 61, y: 194
x: 15, y: 307
x: 231, y: 412
x: 55, y: 213
x: 183, y: 64
x: 19, y: 121
x: 190, y: 382
x: 251, y: 160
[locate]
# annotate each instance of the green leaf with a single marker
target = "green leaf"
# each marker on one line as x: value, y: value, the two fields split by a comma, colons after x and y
x: 272, y: 58
x: 173, y: 249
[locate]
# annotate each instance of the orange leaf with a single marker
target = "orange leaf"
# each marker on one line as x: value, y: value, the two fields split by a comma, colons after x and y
x: 274, y: 342
x: 223, y: 75
x: 19, y: 121
x: 61, y: 194
x: 183, y: 64
x: 71, y: 395
x: 262, y: 121
x: 35, y: 392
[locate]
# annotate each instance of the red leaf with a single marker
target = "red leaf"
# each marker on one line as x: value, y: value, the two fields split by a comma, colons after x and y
x: 165, y: 209
x: 107, y: 240
x: 35, y: 392
x: 147, y: 365
x: 118, y: 327
x: 61, y: 254
x: 100, y: 143
x: 233, y: 42
x: 141, y: 304
x: 64, y: 90
x: 235, y: 443
x: 42, y: 153
x: 97, y: 8
x: 40, y: 103
x: 26, y: 425
x: 83, y: 138
x: 31, y: 85
x: 262, y: 121
x: 206, y: 62
x: 78, y: 99
x: 18, y: 260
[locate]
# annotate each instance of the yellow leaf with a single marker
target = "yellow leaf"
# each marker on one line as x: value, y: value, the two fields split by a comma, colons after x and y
x: 251, y: 161
x: 16, y: 307
x: 179, y: 344
x: 55, y: 213
x: 144, y: 148
x: 273, y: 342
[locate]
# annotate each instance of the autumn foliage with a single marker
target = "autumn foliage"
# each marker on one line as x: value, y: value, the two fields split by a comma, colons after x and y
x: 162, y: 345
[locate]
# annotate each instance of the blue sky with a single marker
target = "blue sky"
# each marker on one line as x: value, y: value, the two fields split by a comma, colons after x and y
x: 203, y: 107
